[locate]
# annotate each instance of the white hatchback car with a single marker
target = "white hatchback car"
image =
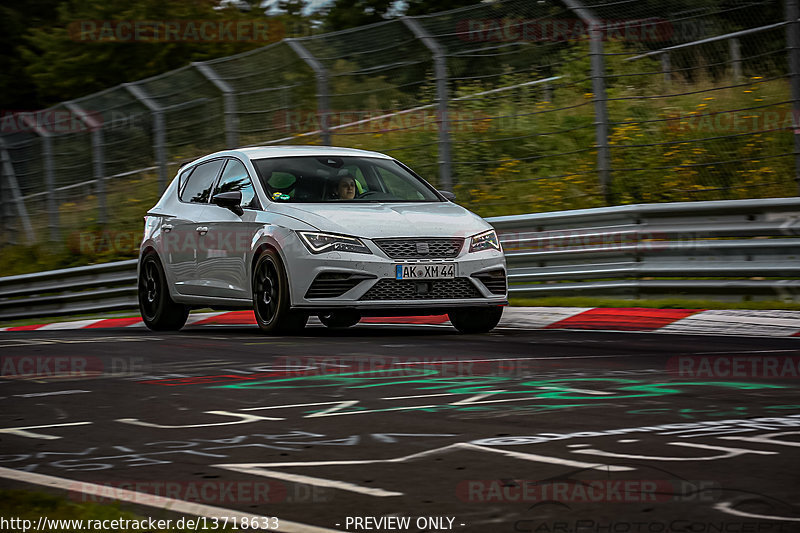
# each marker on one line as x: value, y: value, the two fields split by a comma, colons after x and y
x: 294, y: 231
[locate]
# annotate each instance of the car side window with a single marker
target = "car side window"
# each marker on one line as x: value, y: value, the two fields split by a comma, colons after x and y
x: 235, y: 178
x: 198, y: 187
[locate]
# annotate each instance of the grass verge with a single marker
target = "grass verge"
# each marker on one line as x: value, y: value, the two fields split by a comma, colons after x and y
x: 27, y: 505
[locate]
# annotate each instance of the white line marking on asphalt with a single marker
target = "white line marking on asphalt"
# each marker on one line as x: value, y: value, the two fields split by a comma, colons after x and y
x: 726, y: 352
x: 727, y: 507
x: 265, y: 469
x: 56, y: 393
x: 23, y: 431
x: 421, y: 396
x: 546, y: 459
x: 513, y: 359
x: 75, y: 324
x: 290, y: 405
x: 151, y: 500
x: 309, y: 480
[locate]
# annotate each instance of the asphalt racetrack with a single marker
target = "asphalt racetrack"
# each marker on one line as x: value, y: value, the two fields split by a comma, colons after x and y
x: 412, y: 427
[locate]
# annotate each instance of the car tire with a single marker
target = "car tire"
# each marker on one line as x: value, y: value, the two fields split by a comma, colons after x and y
x: 271, y: 302
x: 475, y: 319
x: 159, y: 311
x: 340, y: 319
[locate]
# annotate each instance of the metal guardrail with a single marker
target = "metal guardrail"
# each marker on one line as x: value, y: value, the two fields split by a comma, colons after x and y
x: 70, y: 291
x: 728, y: 250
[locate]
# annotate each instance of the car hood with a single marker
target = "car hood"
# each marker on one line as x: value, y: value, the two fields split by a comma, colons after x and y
x: 378, y: 220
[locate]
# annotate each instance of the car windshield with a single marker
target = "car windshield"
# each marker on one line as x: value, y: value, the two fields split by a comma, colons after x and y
x: 309, y: 179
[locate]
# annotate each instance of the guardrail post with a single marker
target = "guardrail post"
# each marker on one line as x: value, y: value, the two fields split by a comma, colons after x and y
x: 98, y: 157
x: 159, y: 131
x: 793, y: 48
x: 440, y: 73
x: 49, y: 177
x: 323, y: 107
x: 229, y: 99
x: 597, y: 59
x: 735, y: 51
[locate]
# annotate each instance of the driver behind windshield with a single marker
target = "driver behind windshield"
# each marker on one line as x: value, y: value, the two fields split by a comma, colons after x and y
x: 346, y: 189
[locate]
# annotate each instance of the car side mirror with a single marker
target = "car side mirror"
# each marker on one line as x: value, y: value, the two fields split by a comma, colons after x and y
x: 449, y: 195
x: 231, y: 200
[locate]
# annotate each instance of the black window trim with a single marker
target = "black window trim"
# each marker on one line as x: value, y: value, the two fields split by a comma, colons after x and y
x: 214, y: 182
x: 228, y: 158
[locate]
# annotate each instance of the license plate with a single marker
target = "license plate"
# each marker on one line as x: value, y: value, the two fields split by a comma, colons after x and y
x: 426, y: 271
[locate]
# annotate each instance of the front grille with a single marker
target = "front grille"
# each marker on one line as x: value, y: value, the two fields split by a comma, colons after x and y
x: 333, y: 284
x: 495, y: 281
x: 408, y: 249
x: 437, y: 289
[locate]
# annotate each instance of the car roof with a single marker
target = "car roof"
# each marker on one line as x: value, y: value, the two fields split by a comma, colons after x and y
x: 260, y: 152
x: 263, y: 152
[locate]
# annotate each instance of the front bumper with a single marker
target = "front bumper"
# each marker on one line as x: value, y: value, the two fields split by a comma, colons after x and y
x: 366, y: 282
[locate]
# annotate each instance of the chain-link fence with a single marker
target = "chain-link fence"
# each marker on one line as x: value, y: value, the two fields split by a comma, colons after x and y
x: 516, y: 105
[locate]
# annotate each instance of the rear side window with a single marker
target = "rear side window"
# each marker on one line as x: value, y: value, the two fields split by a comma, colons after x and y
x: 198, y: 186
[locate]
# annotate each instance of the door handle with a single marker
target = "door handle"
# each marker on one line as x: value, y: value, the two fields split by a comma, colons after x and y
x: 202, y: 230
x: 167, y: 227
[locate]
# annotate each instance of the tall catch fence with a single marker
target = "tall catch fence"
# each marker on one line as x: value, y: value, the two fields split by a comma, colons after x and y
x: 518, y: 106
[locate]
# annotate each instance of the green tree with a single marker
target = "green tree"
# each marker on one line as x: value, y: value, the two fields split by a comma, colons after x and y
x: 15, y: 84
x: 345, y: 14
x: 423, y: 7
x: 62, y: 64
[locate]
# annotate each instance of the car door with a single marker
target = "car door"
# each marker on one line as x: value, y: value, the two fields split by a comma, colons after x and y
x: 183, y: 231
x: 222, y: 260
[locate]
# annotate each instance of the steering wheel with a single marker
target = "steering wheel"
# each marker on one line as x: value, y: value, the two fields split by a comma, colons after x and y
x: 366, y: 193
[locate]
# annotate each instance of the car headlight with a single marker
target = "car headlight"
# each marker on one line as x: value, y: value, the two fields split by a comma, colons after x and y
x: 318, y: 243
x: 484, y: 241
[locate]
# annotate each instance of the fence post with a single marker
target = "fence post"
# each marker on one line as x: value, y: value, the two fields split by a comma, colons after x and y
x: 159, y: 131
x: 598, y: 94
x: 323, y: 108
x: 548, y: 93
x: 793, y: 48
x: 6, y: 203
x: 666, y: 67
x: 13, y: 196
x: 735, y: 51
x: 229, y: 99
x: 440, y: 72
x: 98, y: 157
x: 49, y: 178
